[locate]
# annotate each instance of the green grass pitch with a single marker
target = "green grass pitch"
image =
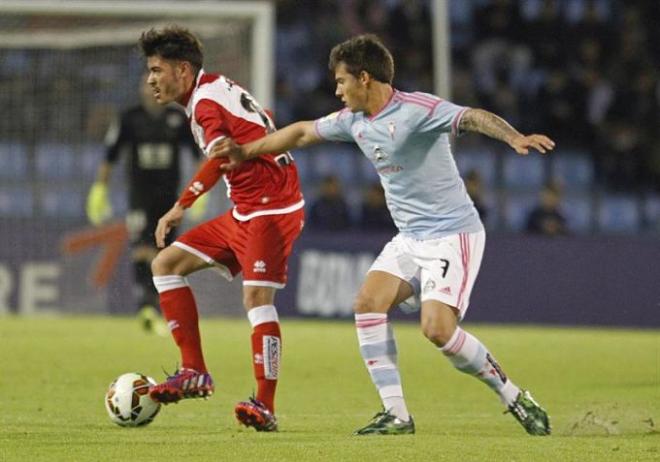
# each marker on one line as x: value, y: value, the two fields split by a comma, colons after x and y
x: 600, y: 386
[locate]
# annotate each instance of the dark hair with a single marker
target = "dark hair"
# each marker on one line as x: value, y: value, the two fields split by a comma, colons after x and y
x: 364, y: 53
x: 174, y: 43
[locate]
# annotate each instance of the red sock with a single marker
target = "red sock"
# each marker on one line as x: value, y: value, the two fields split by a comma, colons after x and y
x: 179, y: 308
x: 266, y: 352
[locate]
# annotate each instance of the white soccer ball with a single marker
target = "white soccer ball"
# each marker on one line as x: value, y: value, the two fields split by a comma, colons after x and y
x: 127, y: 400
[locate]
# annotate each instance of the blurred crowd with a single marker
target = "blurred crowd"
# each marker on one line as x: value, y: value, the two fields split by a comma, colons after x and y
x: 583, y: 71
x: 586, y: 72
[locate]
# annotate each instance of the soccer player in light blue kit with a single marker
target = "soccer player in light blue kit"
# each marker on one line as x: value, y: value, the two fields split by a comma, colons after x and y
x: 437, y: 253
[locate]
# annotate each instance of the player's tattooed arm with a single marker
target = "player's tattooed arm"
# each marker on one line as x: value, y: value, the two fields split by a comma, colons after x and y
x: 493, y: 126
x: 487, y: 123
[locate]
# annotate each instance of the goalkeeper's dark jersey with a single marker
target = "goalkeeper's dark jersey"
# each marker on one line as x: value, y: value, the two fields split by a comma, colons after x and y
x: 153, y: 144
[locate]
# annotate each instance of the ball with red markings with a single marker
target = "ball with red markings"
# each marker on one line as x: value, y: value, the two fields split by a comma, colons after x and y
x: 127, y: 400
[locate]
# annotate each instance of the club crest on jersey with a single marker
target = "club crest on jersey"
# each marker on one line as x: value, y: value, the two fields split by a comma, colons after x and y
x: 391, y: 128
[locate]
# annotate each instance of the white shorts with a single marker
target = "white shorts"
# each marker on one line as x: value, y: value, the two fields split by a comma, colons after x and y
x: 444, y: 269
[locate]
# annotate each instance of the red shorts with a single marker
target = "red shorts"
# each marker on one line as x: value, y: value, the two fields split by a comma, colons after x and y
x: 259, y: 247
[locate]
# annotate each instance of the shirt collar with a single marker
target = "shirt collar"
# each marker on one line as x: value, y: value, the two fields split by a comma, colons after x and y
x: 187, y: 103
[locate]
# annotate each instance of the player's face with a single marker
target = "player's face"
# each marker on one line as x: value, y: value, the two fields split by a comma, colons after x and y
x: 350, y: 89
x: 166, y: 79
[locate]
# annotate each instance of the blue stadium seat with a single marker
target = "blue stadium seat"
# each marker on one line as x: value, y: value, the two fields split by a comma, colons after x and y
x: 335, y: 160
x: 303, y: 160
x: 516, y: 209
x: 482, y: 159
x: 652, y: 211
x: 354, y: 197
x: 490, y: 202
x: 119, y: 201
x: 13, y: 161
x: 62, y: 201
x: 16, y: 201
x: 56, y: 161
x: 578, y: 210
x: 573, y: 169
x: 524, y: 172
x: 91, y: 156
x: 619, y: 214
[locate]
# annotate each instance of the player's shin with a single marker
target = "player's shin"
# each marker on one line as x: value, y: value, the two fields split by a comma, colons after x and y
x: 180, y: 310
x: 266, y: 352
x: 469, y: 355
x: 379, y: 351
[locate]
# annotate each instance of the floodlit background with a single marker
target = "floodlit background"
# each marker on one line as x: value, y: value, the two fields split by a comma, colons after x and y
x: 568, y: 297
x: 585, y: 72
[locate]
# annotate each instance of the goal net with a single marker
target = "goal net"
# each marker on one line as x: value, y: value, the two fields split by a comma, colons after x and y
x: 67, y: 68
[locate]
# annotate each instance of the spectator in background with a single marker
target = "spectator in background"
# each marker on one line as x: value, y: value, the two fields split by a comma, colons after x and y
x: 329, y: 212
x: 375, y: 216
x: 153, y: 137
x: 474, y: 187
x: 546, y: 218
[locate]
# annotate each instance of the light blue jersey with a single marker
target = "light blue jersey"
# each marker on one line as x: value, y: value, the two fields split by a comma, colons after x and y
x: 408, y: 144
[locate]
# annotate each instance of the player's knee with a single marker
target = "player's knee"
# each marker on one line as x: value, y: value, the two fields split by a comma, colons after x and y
x: 162, y: 265
x: 364, y: 304
x: 438, y: 334
x: 257, y: 296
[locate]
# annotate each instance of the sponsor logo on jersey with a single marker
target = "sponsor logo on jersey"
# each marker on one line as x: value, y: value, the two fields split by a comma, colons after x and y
x: 429, y: 286
x: 271, y: 352
x: 379, y: 154
x: 389, y: 169
x: 259, y: 266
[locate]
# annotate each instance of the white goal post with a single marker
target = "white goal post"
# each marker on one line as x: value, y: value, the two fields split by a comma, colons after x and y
x: 260, y: 12
x: 67, y: 68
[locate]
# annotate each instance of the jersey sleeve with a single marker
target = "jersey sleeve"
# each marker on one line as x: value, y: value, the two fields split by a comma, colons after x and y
x: 206, y: 177
x: 443, y: 117
x: 335, y: 126
x: 210, y: 116
x: 115, y: 137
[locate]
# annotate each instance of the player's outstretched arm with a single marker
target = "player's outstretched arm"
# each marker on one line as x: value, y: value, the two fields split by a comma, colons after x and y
x: 296, y: 135
x: 489, y: 124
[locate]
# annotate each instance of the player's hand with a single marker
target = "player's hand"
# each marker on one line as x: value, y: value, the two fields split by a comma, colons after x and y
x: 228, y: 148
x: 521, y: 144
x: 98, y: 205
x: 168, y: 221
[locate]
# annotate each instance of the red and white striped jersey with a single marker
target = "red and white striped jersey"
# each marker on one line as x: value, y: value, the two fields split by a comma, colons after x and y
x: 266, y: 185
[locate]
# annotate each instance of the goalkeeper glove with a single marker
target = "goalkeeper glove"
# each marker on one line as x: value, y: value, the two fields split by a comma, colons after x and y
x: 198, y: 209
x: 98, y: 206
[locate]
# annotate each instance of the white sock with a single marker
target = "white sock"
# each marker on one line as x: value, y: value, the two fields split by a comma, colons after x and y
x: 469, y: 355
x: 378, y: 349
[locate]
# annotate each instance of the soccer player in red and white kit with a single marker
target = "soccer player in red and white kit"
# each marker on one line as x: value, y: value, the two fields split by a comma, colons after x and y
x: 255, y: 237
